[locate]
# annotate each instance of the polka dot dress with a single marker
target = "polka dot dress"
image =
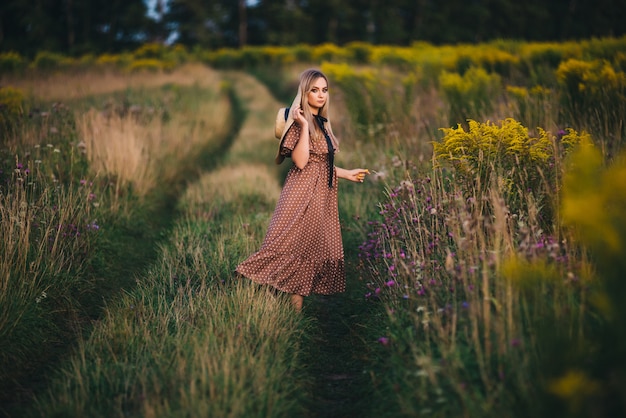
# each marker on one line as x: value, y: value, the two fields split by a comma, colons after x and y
x: 302, y: 252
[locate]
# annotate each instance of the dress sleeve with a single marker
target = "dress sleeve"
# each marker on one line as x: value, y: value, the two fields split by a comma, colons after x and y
x: 291, y: 139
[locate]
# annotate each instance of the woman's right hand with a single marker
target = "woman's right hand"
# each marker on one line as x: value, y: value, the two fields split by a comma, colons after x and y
x: 298, y: 116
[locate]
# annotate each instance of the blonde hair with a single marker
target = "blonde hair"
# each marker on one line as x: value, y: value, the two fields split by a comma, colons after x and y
x: 307, y: 78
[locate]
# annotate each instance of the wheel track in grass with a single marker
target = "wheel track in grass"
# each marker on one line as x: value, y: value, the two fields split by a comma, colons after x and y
x: 343, y: 387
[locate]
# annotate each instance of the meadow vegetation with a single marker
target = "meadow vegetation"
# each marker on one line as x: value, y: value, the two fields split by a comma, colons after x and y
x: 485, y: 249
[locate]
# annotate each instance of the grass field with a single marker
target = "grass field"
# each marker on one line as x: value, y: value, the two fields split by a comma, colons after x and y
x: 483, y: 253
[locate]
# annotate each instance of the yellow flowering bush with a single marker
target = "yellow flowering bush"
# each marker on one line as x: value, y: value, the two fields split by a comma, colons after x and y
x: 402, y: 58
x: 114, y: 60
x: 357, y: 86
x: 329, y: 52
x: 45, y: 60
x: 360, y: 52
x: 603, y: 48
x: 490, y: 58
x: 534, y: 106
x: 150, y: 50
x: 302, y: 52
x: 146, y: 64
x: 373, y: 95
x: 505, y: 156
x: 11, y: 62
x: 277, y: 55
x: 168, y: 56
x: 12, y: 103
x: 506, y: 145
x: 178, y: 53
x: 251, y: 56
x: 619, y: 61
x: 550, y: 54
x: 470, y: 95
x: 594, y: 93
x: 223, y: 58
x: 593, y: 205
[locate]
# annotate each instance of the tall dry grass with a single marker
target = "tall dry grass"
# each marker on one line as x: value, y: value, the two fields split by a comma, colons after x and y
x: 139, y: 152
x: 121, y: 147
x: 472, y: 264
x: 465, y: 332
x: 48, y: 232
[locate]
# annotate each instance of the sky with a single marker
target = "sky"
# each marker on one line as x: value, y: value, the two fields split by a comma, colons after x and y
x: 152, y: 4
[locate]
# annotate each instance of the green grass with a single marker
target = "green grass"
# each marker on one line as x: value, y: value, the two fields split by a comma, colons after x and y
x: 161, y: 326
x: 124, y: 246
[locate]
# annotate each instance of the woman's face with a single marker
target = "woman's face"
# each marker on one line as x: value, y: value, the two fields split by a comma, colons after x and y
x: 318, y: 94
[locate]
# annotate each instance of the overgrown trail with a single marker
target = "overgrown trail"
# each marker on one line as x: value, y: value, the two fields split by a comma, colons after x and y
x: 337, y: 353
x: 131, y: 245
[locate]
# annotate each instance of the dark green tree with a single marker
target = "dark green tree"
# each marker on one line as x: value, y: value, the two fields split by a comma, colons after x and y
x: 82, y: 26
x: 210, y: 24
x: 72, y: 26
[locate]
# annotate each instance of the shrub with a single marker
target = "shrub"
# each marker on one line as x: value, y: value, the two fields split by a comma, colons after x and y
x: 303, y: 52
x: 539, y: 60
x: 11, y: 62
x: 507, y: 159
x: 471, y: 95
x: 329, y: 52
x: 278, y: 55
x: 401, y: 58
x: 459, y: 339
x: 497, y: 61
x: 463, y: 335
x: 374, y: 97
x: 536, y: 106
x: 177, y: 53
x: 146, y: 64
x: 47, y: 61
x: 150, y: 50
x: 114, y: 61
x: 604, y: 48
x: 593, y: 95
x: 360, y: 52
x: 223, y: 58
x: 12, y: 106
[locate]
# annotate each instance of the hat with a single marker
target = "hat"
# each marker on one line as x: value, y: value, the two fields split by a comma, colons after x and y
x: 284, y: 120
x: 281, y: 120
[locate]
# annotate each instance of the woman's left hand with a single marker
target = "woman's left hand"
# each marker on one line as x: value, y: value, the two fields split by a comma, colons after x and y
x: 357, y: 174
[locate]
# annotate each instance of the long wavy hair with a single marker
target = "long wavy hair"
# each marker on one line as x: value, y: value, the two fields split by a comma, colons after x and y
x: 307, y: 78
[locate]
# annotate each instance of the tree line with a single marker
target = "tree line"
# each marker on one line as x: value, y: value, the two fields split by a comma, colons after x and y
x: 76, y: 27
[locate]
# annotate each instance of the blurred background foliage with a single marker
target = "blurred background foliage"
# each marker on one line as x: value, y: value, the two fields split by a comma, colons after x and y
x: 76, y: 27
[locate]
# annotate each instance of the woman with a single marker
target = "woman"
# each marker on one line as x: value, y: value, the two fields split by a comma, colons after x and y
x: 302, y: 252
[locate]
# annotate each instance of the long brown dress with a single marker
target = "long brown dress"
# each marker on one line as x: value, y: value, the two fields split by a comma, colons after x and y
x: 302, y: 252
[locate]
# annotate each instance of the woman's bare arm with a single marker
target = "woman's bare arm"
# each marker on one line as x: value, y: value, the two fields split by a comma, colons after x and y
x: 356, y: 174
x: 300, y: 153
